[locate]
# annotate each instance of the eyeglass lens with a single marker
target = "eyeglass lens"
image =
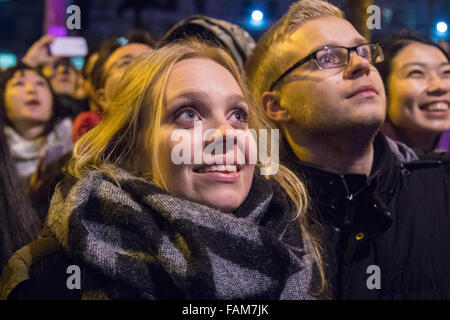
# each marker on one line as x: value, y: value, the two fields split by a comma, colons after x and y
x: 337, y: 56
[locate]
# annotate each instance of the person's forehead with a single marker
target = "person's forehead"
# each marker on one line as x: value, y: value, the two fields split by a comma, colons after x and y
x: 196, y: 74
x: 417, y: 52
x: 132, y: 49
x: 323, y: 31
x: 26, y: 73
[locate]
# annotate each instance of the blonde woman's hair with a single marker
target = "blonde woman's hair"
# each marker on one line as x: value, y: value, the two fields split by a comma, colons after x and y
x: 129, y: 130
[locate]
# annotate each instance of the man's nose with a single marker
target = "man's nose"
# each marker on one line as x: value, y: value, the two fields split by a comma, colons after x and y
x: 356, y: 67
x: 438, y: 86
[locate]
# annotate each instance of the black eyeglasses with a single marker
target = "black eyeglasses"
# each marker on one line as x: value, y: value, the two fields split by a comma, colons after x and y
x: 336, y: 56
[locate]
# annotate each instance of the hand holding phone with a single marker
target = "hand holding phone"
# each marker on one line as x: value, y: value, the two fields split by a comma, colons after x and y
x: 48, y: 48
x: 38, y: 52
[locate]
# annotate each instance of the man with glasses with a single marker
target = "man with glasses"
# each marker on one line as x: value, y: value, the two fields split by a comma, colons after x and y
x: 385, y: 225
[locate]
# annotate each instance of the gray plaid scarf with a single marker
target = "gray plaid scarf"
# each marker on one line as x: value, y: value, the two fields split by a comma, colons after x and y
x: 148, y: 244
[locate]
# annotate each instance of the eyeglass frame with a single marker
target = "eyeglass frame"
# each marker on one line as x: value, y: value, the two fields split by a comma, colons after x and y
x: 313, y: 55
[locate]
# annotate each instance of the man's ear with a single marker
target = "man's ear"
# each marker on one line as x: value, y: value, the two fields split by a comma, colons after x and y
x: 272, y: 107
x: 101, y: 98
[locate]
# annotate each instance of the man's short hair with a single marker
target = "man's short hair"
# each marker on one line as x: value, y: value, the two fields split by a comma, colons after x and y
x: 266, y: 62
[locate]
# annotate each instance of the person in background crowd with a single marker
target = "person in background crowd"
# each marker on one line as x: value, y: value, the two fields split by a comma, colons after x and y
x: 141, y: 227
x: 62, y: 74
x: 114, y: 56
x: 18, y: 222
x: 416, y: 75
x: 86, y: 73
x: 235, y: 40
x: 34, y: 125
x: 386, y: 224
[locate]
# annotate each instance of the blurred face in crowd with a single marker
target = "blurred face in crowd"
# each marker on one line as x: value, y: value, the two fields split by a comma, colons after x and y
x: 62, y: 76
x: 330, y: 100
x: 203, y: 90
x: 28, y: 99
x: 419, y: 90
x: 115, y: 67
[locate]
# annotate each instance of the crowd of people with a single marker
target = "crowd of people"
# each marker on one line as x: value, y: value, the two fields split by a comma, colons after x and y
x: 363, y: 180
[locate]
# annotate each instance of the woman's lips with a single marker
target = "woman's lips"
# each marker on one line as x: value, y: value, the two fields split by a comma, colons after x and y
x: 219, y: 176
x: 32, y: 103
x: 220, y: 172
x: 63, y: 78
x: 219, y: 168
x: 436, y: 109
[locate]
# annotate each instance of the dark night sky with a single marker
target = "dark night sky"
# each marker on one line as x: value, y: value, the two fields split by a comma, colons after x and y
x: 21, y: 21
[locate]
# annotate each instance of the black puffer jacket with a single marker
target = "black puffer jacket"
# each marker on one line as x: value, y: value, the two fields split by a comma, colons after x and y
x: 397, y: 220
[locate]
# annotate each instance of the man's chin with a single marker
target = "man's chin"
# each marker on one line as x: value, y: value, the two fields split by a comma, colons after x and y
x: 363, y: 124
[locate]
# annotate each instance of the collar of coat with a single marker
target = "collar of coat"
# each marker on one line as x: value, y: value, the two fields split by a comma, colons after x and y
x: 352, y: 201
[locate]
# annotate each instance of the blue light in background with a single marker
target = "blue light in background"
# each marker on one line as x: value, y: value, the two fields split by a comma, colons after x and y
x: 123, y: 41
x: 256, y: 20
x: 257, y: 15
x: 441, y: 27
x: 7, y: 60
x: 78, y: 62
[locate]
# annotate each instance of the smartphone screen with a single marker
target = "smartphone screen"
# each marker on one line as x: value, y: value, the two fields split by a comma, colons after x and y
x: 69, y: 47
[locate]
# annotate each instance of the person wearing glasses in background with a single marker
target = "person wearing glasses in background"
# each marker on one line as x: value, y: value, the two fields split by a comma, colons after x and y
x: 385, y: 224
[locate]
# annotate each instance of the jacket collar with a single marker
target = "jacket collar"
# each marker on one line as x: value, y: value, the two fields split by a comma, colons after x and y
x: 383, y: 159
x: 348, y: 200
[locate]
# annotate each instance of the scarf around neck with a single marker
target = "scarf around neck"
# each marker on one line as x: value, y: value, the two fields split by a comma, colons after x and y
x: 26, y: 153
x: 151, y: 245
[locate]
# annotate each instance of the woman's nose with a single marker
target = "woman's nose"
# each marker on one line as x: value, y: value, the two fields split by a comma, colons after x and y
x: 222, y: 132
x: 62, y: 68
x: 438, y: 86
x: 30, y: 87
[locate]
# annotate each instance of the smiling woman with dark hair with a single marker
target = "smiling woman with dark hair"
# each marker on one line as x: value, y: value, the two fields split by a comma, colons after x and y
x: 416, y: 74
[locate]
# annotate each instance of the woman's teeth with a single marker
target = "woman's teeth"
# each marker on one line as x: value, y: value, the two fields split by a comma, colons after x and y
x: 438, y: 106
x: 219, y: 167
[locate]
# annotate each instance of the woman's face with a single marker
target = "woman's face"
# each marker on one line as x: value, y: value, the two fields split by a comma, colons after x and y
x: 28, y: 98
x: 62, y: 76
x: 419, y: 90
x: 204, y: 91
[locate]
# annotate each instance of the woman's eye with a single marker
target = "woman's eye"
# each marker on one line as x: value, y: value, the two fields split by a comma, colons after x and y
x: 240, y: 115
x: 18, y: 83
x: 124, y: 63
x: 41, y: 83
x: 415, y: 73
x: 186, y: 116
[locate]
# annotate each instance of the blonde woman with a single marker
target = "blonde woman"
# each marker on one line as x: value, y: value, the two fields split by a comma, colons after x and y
x: 139, y: 226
